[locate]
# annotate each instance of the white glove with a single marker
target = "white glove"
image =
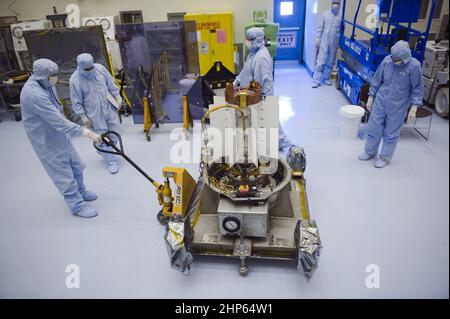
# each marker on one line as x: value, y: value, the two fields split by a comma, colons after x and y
x: 316, y: 52
x: 92, y: 135
x: 119, y: 100
x: 412, y: 114
x: 317, y: 43
x: 369, y: 104
x: 317, y: 47
x: 86, y: 122
x: 235, y: 84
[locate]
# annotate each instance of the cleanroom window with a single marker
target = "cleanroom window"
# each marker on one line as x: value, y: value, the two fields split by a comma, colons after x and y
x: 286, y: 8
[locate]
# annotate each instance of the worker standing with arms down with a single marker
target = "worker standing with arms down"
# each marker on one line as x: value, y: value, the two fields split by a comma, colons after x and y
x: 396, y: 85
x: 259, y: 67
x: 327, y: 44
x: 49, y: 131
x: 96, y: 99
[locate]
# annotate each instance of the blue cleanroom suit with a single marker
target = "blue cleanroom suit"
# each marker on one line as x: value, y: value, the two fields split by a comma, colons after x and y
x: 89, y: 95
x: 259, y: 67
x: 396, y: 85
x: 327, y: 44
x: 49, y: 134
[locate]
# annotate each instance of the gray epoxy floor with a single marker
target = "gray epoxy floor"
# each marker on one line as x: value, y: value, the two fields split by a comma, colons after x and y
x: 396, y: 218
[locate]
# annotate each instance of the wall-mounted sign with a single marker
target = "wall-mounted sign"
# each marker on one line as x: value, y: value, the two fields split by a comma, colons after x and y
x: 73, y: 15
x: 287, y: 39
x: 208, y: 25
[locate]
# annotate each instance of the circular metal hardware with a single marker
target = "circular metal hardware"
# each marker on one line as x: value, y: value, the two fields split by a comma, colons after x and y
x: 231, y: 224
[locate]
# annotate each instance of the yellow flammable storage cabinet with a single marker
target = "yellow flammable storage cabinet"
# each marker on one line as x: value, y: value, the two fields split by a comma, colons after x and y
x: 215, y: 36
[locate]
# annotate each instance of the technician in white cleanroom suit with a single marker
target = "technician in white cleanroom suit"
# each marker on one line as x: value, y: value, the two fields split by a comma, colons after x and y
x: 327, y: 43
x: 90, y: 86
x: 259, y: 67
x: 49, y: 134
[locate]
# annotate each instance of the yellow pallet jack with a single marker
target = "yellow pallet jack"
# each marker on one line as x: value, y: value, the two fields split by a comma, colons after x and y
x: 172, y: 206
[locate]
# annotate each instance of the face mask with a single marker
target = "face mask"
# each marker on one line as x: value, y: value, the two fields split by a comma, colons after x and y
x: 335, y: 8
x: 53, y: 80
x: 248, y: 44
x: 89, y: 74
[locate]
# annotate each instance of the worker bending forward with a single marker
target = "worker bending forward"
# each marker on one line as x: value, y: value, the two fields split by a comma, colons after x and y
x: 49, y: 134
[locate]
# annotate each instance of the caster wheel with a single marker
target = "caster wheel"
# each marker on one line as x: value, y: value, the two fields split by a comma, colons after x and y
x: 441, y: 104
x: 18, y: 117
x: 163, y: 220
x: 243, y: 270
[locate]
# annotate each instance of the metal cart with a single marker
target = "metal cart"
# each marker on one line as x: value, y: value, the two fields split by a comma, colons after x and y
x: 10, y: 93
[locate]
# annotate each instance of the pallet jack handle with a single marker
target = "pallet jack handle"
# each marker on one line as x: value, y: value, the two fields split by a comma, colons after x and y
x: 118, y: 150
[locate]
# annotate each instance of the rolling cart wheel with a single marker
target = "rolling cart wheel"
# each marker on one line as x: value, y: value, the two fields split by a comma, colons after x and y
x: 243, y: 267
x: 18, y: 117
x: 243, y: 270
x: 163, y: 220
x: 441, y: 104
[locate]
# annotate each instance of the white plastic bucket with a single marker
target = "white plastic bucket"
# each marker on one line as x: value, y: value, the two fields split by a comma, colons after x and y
x: 351, y: 116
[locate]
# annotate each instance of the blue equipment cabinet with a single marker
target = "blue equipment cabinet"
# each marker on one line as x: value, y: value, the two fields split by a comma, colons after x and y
x: 363, y: 48
x: 349, y: 82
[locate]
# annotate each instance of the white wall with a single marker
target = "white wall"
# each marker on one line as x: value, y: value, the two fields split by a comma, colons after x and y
x: 312, y: 20
x: 152, y: 10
